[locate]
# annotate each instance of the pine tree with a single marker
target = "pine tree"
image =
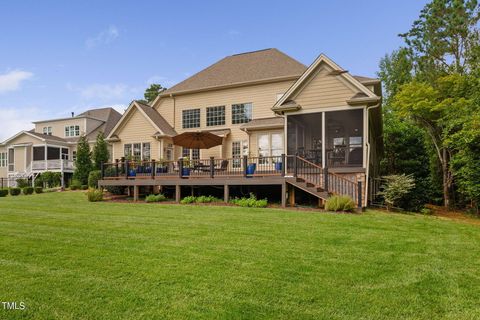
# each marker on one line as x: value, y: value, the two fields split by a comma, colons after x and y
x: 100, y: 151
x: 83, y: 163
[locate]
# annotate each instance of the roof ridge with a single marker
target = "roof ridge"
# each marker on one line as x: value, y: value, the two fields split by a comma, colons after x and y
x: 248, y: 52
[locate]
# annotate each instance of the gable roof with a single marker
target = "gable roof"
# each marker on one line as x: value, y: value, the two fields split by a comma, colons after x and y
x: 261, y: 65
x: 286, y: 102
x: 40, y: 136
x: 155, y: 119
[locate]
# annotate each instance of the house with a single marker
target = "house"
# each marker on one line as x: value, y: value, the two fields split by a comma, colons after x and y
x: 315, y: 128
x: 51, y: 145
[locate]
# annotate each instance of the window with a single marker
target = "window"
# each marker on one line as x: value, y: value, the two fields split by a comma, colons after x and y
x: 137, y: 151
x: 270, y: 145
x: 146, y: 151
x: 215, y: 116
x: 74, y: 155
x: 239, y: 149
x: 192, y: 154
x: 64, y: 153
x: 11, y: 159
x: 47, y: 130
x: 241, y: 113
x: 72, y: 131
x: 191, y: 118
x: 3, y: 159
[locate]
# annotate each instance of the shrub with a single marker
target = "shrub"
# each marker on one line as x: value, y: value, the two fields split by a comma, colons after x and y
x: 251, y: 202
x: 22, y: 183
x: 38, y: 190
x: 117, y: 190
x: 3, y: 192
x: 51, y: 179
x: 27, y: 190
x: 426, y: 211
x: 75, y: 185
x: 84, y: 187
x: 396, y: 187
x: 93, y: 178
x: 15, y: 191
x: 187, y: 200
x: 38, y: 182
x: 340, y: 203
x: 206, y: 199
x: 155, y: 198
x: 94, y: 195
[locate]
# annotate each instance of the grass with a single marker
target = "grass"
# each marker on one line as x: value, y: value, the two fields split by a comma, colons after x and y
x: 66, y: 258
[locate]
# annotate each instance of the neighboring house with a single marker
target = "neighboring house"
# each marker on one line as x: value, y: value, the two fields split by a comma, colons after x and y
x: 263, y: 104
x: 52, y: 144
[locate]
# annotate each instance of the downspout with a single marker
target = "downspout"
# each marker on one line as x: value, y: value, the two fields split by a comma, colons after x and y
x: 367, y: 143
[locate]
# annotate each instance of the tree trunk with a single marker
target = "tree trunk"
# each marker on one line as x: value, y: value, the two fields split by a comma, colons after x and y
x: 446, y: 179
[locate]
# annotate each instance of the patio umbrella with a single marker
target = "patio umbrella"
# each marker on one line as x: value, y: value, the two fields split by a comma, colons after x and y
x: 197, y: 140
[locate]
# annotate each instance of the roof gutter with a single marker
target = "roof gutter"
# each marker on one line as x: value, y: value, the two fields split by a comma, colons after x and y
x: 367, y: 143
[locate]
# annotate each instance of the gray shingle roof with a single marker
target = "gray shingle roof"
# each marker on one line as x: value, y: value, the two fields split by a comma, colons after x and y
x: 264, y: 123
x: 157, y: 119
x: 242, y: 68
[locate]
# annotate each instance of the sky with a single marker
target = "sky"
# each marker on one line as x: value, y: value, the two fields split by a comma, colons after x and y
x: 58, y: 57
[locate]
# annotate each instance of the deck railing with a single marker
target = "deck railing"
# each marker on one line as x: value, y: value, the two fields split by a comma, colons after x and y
x: 201, y: 168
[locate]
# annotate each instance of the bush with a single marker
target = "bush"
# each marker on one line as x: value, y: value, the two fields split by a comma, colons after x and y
x: 3, y: 192
x: 93, y: 178
x: 94, y: 195
x: 187, y: 200
x: 155, y: 198
x: 84, y: 187
x: 396, y: 187
x: 340, y: 203
x: 38, y: 190
x: 15, y: 191
x: 426, y: 211
x: 51, y: 179
x: 38, y: 182
x: 117, y: 190
x: 27, y: 190
x: 206, y: 199
x: 75, y: 185
x: 251, y: 202
x: 22, y: 183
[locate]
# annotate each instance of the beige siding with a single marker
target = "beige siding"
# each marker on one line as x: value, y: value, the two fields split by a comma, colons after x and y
x: 136, y: 129
x: 324, y: 90
x: 58, y: 126
x: 19, y: 159
x: 25, y: 138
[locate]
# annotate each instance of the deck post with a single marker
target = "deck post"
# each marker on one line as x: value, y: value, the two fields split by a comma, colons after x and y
x: 291, y: 196
x: 359, y: 196
x: 284, y: 194
x: 116, y: 168
x: 153, y: 169
x: 177, y: 193
x: 135, y: 193
x: 325, y: 179
x: 126, y: 169
x: 212, y: 167
x: 284, y: 164
x: 295, y: 168
x: 226, y: 193
x: 180, y: 168
x: 245, y: 164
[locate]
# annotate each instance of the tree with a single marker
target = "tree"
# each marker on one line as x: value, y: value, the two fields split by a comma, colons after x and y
x: 153, y: 91
x: 396, y: 69
x: 100, y: 151
x: 396, y: 187
x: 83, y: 162
x: 445, y: 38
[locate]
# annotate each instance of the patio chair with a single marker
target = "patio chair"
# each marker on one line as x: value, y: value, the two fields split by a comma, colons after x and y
x: 223, y: 166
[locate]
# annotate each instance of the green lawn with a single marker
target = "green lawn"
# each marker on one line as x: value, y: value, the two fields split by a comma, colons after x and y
x: 66, y: 258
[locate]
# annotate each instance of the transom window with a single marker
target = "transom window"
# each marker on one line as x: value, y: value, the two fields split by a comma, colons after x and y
x: 47, y: 130
x: 72, y: 131
x: 137, y: 151
x: 3, y: 159
x: 241, y: 113
x: 216, y: 116
x: 191, y: 118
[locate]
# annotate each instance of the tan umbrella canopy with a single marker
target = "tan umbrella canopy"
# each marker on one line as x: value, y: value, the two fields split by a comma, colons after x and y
x: 197, y: 140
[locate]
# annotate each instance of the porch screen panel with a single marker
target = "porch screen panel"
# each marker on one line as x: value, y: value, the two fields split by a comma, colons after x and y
x: 53, y: 153
x: 344, y: 135
x: 38, y: 153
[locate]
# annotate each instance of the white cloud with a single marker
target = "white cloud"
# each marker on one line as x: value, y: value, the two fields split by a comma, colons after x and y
x: 15, y: 120
x: 12, y: 80
x: 104, y: 37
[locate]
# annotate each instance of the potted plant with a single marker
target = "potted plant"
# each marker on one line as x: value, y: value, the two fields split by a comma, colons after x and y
x: 162, y: 166
x: 186, y: 166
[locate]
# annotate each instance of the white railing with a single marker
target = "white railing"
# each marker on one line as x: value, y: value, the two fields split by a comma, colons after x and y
x: 52, y: 165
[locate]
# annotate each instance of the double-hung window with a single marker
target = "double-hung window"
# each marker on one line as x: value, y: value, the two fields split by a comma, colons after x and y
x: 47, y: 130
x: 191, y: 118
x: 215, y: 116
x: 241, y: 113
x: 72, y: 131
x: 146, y: 151
x: 192, y: 154
x: 3, y: 159
x: 137, y: 151
x: 239, y: 149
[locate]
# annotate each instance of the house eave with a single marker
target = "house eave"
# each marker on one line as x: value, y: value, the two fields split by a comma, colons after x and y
x: 363, y: 101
